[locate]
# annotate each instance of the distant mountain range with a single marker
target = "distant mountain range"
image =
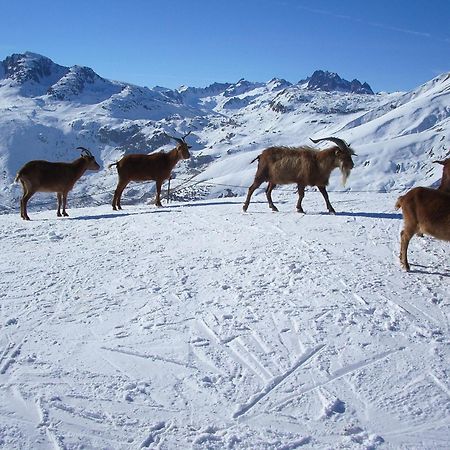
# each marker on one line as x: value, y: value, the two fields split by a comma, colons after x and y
x: 46, y: 110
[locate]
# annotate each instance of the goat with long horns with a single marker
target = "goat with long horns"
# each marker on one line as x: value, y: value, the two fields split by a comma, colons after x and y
x: 303, y: 166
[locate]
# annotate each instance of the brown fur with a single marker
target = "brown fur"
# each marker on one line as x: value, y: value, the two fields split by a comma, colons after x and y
x: 303, y: 166
x: 59, y: 177
x: 425, y: 211
x: 156, y: 167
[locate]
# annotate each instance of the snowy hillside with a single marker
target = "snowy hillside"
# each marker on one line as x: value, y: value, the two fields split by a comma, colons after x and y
x: 197, y: 326
x: 47, y: 110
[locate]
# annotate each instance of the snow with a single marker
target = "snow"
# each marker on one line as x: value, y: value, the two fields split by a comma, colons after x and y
x: 199, y: 326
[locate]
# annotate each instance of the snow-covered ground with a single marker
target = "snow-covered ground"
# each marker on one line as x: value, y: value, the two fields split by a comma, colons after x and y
x: 198, y: 326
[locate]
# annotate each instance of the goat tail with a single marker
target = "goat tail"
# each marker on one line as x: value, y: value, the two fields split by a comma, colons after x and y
x: 113, y: 164
x: 253, y: 160
x: 398, y: 204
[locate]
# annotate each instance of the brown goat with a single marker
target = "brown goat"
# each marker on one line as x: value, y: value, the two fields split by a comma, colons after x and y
x: 303, y: 166
x: 156, y: 167
x: 425, y: 211
x: 59, y: 177
x: 445, y: 181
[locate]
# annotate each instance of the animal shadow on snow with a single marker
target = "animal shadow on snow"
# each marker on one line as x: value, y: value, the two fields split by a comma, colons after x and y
x: 195, y: 205
x: 371, y: 215
x: 425, y: 270
x: 118, y: 215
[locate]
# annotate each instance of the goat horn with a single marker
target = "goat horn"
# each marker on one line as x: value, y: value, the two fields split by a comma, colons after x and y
x: 186, y: 135
x: 439, y: 162
x: 85, y: 150
x: 339, y: 142
x: 180, y: 141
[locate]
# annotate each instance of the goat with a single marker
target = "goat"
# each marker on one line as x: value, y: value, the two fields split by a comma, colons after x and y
x: 425, y: 211
x: 304, y: 166
x: 59, y: 177
x: 445, y: 181
x: 156, y: 167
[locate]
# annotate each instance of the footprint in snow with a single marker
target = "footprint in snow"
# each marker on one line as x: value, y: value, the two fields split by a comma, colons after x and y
x: 54, y: 237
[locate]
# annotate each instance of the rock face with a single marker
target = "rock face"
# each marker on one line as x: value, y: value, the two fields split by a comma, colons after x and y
x: 329, y: 81
x: 30, y: 67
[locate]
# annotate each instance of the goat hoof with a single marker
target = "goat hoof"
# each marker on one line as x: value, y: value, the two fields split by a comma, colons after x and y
x: 59, y: 214
x: 332, y: 212
x: 300, y: 211
x: 65, y: 214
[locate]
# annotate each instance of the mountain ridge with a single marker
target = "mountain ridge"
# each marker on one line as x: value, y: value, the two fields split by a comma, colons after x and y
x: 30, y: 66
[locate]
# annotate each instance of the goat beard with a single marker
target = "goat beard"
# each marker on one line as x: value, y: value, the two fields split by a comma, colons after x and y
x: 345, y: 174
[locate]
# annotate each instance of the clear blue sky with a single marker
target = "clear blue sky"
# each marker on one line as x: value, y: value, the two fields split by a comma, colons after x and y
x: 393, y: 45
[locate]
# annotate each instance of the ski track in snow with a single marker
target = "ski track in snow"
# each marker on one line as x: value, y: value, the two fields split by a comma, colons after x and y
x: 197, y: 326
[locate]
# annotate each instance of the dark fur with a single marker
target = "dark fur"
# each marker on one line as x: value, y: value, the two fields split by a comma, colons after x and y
x: 157, y: 167
x: 59, y: 177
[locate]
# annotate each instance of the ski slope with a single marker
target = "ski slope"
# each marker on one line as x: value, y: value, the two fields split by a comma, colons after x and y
x: 199, y: 326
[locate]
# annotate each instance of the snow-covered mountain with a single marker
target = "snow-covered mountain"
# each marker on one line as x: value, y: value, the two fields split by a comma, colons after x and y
x: 330, y: 81
x: 47, y: 110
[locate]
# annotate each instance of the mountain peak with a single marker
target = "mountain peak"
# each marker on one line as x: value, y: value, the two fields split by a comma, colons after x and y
x: 29, y: 66
x: 323, y: 80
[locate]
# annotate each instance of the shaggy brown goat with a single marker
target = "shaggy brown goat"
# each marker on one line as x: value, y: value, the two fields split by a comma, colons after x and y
x: 425, y: 211
x: 59, y: 177
x: 157, y: 167
x: 445, y: 181
x: 303, y: 166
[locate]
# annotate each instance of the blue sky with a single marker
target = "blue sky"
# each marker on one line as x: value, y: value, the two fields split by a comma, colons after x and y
x: 393, y: 45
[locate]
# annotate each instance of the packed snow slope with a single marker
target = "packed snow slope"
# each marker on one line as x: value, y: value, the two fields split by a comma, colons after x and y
x: 198, y: 326
x: 47, y: 110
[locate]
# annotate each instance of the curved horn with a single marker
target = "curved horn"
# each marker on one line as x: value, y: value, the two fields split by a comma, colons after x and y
x: 439, y: 162
x: 186, y: 135
x: 86, y: 151
x: 339, y: 142
x: 180, y: 141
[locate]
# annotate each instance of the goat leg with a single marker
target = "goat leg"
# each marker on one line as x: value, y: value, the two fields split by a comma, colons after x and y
x: 23, y: 205
x: 64, y: 197
x: 59, y: 196
x: 270, y: 188
x: 324, y: 192
x: 301, y: 194
x: 158, y: 194
x: 405, y: 237
x: 251, y: 189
